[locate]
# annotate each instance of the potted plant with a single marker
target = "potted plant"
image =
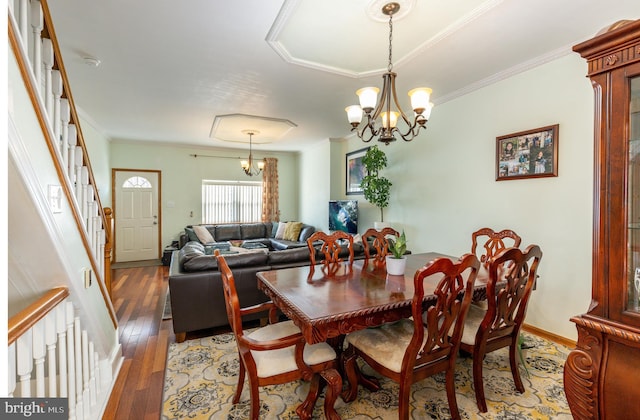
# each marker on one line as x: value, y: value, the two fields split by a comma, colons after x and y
x: 375, y: 187
x: 396, y: 262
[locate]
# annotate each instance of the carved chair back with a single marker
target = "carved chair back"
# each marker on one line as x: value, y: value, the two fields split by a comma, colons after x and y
x: 493, y: 242
x: 376, y: 240
x: 331, y: 246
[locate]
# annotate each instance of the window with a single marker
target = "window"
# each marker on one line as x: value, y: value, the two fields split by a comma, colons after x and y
x: 136, y: 182
x: 231, y: 201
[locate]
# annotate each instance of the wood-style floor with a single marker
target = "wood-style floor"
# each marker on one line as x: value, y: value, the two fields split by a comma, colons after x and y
x: 138, y: 298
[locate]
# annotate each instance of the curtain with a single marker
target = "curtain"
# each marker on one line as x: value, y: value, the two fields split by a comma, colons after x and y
x: 270, y: 195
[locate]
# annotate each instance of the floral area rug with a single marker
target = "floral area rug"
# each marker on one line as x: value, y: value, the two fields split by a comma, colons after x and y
x: 201, y: 377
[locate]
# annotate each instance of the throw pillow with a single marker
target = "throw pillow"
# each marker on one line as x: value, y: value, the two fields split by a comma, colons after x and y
x: 293, y: 231
x: 274, y: 229
x: 280, y: 232
x: 191, y: 234
x: 203, y: 234
x: 357, y: 239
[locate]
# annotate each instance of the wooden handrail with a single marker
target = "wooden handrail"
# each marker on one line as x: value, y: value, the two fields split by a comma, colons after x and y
x: 27, y: 318
x: 25, y: 71
x: 50, y: 33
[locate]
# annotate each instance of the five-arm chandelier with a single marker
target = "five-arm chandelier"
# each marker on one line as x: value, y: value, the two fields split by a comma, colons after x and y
x: 250, y: 167
x: 389, y: 116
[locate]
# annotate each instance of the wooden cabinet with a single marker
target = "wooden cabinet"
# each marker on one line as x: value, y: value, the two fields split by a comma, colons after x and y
x: 602, y: 375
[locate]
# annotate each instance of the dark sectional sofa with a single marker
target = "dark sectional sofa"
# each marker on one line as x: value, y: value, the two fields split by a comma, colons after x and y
x: 197, y: 301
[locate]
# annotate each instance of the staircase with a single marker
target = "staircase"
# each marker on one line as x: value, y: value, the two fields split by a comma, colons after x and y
x: 63, y: 330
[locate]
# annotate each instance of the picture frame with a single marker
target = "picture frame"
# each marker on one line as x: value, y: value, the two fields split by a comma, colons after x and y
x: 528, y: 154
x: 355, y: 171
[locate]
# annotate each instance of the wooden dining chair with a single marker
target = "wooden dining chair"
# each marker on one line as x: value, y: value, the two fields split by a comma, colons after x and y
x: 376, y: 244
x: 412, y: 349
x: 492, y: 242
x: 512, y: 273
x: 331, y: 246
x: 277, y: 354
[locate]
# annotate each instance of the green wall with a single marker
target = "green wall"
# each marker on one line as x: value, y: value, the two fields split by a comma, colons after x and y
x: 182, y: 176
x: 444, y: 184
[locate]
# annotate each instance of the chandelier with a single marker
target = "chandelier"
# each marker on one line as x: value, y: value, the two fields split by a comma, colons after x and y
x: 389, y: 116
x: 250, y: 167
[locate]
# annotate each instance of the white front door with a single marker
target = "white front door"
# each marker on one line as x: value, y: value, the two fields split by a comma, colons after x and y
x: 136, y: 216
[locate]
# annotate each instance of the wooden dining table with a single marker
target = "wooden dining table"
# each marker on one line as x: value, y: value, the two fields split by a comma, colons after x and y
x: 326, y: 305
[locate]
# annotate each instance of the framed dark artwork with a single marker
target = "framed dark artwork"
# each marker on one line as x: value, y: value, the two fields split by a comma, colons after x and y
x: 343, y: 215
x: 527, y: 154
x: 355, y: 171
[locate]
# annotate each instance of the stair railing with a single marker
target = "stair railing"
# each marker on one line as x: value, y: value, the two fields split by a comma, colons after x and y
x: 34, y: 43
x: 50, y: 355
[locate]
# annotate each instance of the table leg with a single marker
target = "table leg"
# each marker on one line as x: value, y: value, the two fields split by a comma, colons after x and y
x: 305, y: 410
x: 332, y: 378
x: 355, y: 377
x: 334, y: 382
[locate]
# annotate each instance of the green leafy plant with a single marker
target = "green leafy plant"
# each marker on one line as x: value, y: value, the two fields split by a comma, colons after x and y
x: 398, y: 246
x: 375, y: 187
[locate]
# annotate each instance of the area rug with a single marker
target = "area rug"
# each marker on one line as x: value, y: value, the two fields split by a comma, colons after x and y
x: 201, y: 378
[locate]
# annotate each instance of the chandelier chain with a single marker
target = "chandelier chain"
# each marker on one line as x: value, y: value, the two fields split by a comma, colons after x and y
x: 390, y: 66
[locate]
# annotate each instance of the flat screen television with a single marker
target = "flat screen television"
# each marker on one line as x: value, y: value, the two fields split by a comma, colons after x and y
x: 343, y: 215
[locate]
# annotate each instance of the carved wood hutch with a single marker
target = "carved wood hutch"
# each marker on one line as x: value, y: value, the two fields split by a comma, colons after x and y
x: 602, y: 375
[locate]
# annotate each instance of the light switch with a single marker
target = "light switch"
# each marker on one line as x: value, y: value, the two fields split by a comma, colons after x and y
x: 87, y: 278
x: 55, y: 198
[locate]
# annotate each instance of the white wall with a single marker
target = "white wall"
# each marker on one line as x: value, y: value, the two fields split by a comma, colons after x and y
x: 444, y: 184
x: 182, y: 177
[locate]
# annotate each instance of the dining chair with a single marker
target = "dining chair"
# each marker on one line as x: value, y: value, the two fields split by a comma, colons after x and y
x: 494, y: 242
x: 376, y: 244
x: 410, y: 350
x: 331, y: 246
x: 512, y: 274
x: 277, y: 354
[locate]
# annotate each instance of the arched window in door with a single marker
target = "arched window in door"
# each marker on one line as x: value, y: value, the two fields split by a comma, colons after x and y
x: 136, y: 182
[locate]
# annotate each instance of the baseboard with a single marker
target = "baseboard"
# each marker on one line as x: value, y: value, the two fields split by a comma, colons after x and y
x: 549, y: 336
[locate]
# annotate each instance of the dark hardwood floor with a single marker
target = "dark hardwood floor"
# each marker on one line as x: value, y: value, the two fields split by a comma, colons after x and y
x: 138, y: 298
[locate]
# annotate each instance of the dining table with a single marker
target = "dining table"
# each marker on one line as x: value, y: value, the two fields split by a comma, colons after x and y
x: 329, y: 301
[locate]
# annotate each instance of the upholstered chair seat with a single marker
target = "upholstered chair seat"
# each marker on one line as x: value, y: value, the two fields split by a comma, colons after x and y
x: 276, y: 362
x: 386, y: 344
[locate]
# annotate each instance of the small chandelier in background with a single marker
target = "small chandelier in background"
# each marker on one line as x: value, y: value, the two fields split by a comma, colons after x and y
x: 250, y: 167
x: 389, y: 116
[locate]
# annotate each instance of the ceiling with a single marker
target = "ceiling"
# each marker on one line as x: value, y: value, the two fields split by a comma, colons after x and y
x: 199, y: 72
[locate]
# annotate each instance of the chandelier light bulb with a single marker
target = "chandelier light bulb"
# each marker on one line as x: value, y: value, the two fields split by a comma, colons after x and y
x: 354, y: 114
x: 392, y: 120
x: 368, y: 98
x: 420, y: 99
